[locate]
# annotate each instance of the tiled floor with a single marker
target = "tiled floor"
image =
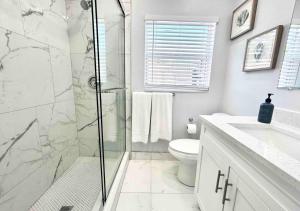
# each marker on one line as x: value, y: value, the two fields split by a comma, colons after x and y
x: 152, y: 185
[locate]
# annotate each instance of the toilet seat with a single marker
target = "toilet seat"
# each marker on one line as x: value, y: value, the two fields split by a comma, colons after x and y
x: 185, y: 148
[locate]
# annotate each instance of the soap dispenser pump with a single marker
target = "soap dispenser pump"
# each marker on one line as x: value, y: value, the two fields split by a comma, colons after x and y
x: 266, y: 110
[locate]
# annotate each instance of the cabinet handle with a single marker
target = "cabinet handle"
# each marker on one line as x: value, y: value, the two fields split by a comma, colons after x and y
x: 218, y: 181
x: 225, y: 191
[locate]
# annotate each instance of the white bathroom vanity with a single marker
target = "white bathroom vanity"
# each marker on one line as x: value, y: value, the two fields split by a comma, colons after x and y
x: 245, y: 165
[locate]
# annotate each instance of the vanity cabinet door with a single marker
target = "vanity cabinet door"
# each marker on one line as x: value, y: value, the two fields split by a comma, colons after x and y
x: 211, y: 173
x: 240, y: 195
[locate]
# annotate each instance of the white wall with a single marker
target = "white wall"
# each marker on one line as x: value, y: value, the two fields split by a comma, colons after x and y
x: 243, y: 92
x: 185, y: 104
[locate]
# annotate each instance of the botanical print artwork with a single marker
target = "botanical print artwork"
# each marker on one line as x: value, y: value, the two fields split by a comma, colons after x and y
x: 259, y: 50
x: 243, y: 18
x: 262, y: 50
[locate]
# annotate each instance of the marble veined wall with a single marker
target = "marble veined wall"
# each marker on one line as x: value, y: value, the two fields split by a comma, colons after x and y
x: 83, y: 68
x: 126, y: 4
x: 38, y: 133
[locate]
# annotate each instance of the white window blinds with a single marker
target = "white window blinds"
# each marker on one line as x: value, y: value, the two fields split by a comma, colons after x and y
x: 291, y: 62
x: 102, y: 50
x: 178, y: 55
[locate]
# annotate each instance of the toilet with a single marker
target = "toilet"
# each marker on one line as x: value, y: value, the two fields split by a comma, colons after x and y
x: 186, y: 151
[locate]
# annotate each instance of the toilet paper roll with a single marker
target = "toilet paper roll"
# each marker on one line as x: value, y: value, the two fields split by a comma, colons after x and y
x: 191, y: 129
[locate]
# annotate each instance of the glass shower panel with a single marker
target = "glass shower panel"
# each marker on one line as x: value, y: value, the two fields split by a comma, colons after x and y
x: 111, y: 38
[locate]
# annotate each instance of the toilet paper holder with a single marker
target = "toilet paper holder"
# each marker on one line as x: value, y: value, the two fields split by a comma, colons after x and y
x: 191, y: 127
x: 191, y: 120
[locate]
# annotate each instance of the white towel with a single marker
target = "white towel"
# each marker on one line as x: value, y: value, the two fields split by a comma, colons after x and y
x: 141, y: 112
x: 161, y: 117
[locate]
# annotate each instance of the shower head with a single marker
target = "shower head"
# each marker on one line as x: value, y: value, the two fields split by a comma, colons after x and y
x: 86, y: 4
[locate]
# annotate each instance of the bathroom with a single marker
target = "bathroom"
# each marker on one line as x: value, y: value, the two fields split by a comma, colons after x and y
x: 139, y: 105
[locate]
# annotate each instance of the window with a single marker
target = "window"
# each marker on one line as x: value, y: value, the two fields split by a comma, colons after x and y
x: 178, y: 55
x: 289, y: 76
x: 102, y: 50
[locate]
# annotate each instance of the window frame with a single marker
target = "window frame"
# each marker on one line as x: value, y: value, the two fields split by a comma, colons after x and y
x: 281, y: 80
x: 173, y: 88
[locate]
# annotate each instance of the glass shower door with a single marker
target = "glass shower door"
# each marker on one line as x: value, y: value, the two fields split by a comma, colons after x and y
x: 111, y: 71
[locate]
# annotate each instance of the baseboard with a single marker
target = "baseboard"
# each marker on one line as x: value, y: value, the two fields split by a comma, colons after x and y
x: 152, y: 156
x: 113, y: 197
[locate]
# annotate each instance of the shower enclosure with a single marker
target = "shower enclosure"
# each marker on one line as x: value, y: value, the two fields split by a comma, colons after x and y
x: 62, y: 103
x: 109, y: 22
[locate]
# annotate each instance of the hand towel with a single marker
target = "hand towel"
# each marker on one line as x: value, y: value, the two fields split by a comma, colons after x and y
x: 141, y: 112
x: 161, y: 117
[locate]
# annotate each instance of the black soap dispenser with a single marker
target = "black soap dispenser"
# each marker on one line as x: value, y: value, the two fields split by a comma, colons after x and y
x: 266, y: 111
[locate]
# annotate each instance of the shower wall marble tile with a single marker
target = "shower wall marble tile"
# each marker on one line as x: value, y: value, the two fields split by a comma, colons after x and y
x: 26, y: 77
x: 38, y: 129
x: 86, y: 108
x: 46, y: 21
x: 21, y: 153
x: 126, y: 4
x: 10, y: 16
x: 62, y: 74
x: 80, y: 30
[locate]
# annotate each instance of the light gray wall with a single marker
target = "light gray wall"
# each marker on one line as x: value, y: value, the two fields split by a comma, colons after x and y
x: 243, y: 92
x: 185, y: 104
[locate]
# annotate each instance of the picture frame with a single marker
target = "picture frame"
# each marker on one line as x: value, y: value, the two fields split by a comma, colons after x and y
x: 243, y: 18
x: 262, y: 50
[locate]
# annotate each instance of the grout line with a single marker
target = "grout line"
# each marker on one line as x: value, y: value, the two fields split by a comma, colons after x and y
x: 32, y: 38
x: 38, y: 105
x: 171, y: 193
x: 153, y: 193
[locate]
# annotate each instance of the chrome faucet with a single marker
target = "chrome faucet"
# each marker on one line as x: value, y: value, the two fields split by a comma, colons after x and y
x: 86, y: 4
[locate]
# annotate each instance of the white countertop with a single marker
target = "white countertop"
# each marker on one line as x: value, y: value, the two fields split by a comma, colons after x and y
x: 287, y: 167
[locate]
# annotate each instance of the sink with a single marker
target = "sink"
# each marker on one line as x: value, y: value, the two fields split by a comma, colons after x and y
x: 285, y: 139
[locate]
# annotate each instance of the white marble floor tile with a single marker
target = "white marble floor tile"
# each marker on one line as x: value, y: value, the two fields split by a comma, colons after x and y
x: 162, y: 156
x: 174, y: 202
x: 134, y: 202
x: 164, y: 178
x: 138, y: 177
x: 140, y: 156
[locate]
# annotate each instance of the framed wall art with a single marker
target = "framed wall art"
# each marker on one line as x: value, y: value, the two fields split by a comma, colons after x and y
x: 262, y: 50
x: 243, y: 18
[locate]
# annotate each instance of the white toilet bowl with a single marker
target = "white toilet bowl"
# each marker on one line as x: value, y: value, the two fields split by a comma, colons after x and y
x: 186, y: 151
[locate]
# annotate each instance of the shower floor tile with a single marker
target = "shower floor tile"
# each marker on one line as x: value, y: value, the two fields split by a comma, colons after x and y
x: 153, y: 185
x: 79, y: 187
